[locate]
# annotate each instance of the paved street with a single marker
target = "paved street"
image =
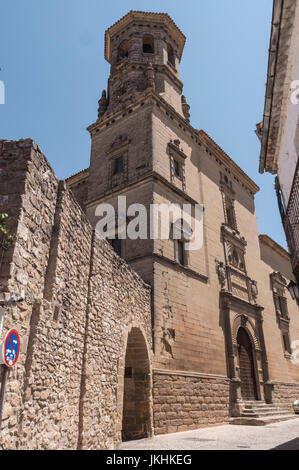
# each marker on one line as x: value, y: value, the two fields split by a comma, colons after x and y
x: 281, y: 436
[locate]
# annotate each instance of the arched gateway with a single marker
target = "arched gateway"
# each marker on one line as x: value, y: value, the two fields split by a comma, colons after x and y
x: 136, y: 422
x: 246, y: 364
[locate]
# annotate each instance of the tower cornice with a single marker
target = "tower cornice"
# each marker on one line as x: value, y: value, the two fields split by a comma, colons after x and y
x: 200, y: 137
x: 161, y: 18
x: 159, y: 68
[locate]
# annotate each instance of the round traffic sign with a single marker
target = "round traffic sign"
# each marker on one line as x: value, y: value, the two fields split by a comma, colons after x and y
x: 11, y: 348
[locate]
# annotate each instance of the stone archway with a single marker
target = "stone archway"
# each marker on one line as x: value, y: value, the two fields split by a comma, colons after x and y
x: 246, y: 366
x: 136, y: 416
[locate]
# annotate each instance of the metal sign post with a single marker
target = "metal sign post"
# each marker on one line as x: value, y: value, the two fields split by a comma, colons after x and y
x: 2, y: 393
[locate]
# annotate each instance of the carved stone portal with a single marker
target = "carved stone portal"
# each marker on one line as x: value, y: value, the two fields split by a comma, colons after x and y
x: 240, y: 316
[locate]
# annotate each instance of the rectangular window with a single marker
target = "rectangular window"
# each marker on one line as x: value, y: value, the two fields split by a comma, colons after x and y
x: 230, y: 212
x: 177, y: 168
x: 118, y: 165
x: 181, y: 254
x: 278, y: 305
x: 286, y: 343
x: 281, y: 306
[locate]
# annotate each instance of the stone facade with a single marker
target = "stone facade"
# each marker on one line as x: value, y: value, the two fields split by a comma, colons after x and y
x: 122, y: 347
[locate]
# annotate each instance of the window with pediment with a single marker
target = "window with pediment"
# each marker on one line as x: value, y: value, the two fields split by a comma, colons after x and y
x: 181, y: 234
x: 236, y: 257
x: 117, y: 160
x: 177, y: 164
x: 228, y: 198
x: 279, y: 285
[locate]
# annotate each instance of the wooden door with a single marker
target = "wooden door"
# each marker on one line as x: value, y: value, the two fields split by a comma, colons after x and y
x: 247, y: 374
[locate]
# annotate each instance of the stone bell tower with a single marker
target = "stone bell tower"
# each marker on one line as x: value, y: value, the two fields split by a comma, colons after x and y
x: 137, y: 151
x: 144, y: 50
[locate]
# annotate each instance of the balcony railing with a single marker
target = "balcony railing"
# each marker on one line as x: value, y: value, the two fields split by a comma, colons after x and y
x: 291, y: 222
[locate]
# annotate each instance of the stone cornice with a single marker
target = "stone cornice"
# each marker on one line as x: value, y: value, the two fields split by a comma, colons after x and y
x: 186, y: 373
x: 274, y: 246
x: 159, y: 69
x: 162, y: 18
x: 199, y: 137
x: 179, y: 267
x: 151, y: 176
x: 230, y: 300
x: 77, y: 177
x: 226, y: 160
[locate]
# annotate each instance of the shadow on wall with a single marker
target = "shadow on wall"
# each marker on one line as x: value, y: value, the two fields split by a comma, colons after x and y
x: 136, y: 422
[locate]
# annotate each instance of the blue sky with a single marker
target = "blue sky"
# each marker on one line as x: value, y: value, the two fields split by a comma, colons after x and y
x: 53, y: 67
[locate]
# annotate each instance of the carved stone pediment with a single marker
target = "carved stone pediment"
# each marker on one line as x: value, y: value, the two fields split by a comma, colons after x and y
x: 277, y: 278
x: 174, y: 147
x: 119, y: 142
x: 233, y: 235
x: 226, y: 185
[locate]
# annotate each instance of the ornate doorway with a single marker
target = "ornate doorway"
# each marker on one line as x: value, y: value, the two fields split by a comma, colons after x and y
x: 246, y: 364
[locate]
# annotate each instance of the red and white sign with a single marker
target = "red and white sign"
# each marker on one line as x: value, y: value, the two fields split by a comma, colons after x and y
x: 10, y: 348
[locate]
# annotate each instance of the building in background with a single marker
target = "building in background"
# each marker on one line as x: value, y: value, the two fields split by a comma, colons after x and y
x: 279, y: 130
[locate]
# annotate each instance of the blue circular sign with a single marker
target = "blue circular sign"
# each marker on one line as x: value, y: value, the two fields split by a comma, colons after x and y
x: 11, y: 348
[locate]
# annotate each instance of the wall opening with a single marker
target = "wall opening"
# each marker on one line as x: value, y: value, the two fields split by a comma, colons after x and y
x: 148, y: 45
x: 123, y: 51
x: 136, y: 423
x: 171, y: 56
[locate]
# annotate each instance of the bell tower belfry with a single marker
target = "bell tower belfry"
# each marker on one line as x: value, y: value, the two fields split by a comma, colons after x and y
x: 144, y: 50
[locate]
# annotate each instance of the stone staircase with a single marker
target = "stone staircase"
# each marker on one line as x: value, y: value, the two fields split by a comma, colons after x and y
x: 259, y: 413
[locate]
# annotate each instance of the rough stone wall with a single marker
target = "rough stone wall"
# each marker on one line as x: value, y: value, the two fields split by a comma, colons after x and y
x: 56, y: 347
x: 80, y: 302
x: 28, y: 190
x: 183, y: 402
x: 118, y: 300
x: 284, y: 394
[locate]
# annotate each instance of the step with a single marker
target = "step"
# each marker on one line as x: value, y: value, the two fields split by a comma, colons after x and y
x: 261, y: 409
x: 245, y: 421
x: 265, y: 412
x: 263, y: 415
x: 257, y: 404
